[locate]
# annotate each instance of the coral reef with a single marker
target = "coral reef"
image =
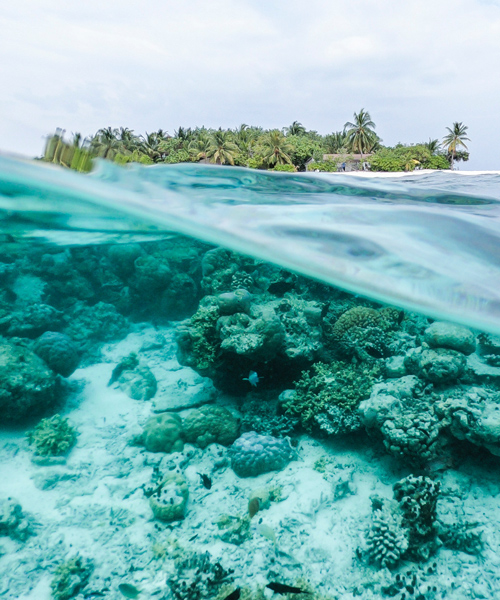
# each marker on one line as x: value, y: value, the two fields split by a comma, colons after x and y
x: 31, y: 321
x: 163, y: 433
x: 13, y: 522
x: 262, y: 414
x: 210, y: 424
x: 387, y: 538
x: 52, y: 437
x: 234, y: 529
x: 169, y: 501
x: 58, y: 351
x: 253, y: 454
x: 27, y: 385
x: 417, y: 498
x: 197, y: 577
x: 71, y: 577
x: 438, y: 365
x: 337, y: 384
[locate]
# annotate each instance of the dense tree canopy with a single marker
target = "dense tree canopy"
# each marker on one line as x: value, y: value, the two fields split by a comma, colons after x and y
x: 291, y: 148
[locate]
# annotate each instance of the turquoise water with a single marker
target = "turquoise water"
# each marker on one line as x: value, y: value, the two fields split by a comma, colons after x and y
x: 430, y: 244
x: 218, y: 383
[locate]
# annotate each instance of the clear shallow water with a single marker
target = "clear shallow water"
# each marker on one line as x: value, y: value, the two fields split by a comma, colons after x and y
x: 428, y: 243
x: 381, y: 476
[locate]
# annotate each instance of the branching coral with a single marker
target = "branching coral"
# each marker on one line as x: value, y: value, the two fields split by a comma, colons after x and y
x: 52, y: 437
x: 387, y: 538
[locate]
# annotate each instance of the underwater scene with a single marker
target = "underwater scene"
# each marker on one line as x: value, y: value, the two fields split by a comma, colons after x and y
x: 222, y: 385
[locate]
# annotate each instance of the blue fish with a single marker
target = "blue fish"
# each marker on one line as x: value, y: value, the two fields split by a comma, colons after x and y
x: 253, y: 378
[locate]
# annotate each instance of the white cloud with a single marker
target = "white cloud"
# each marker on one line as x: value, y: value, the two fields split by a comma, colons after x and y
x: 416, y: 66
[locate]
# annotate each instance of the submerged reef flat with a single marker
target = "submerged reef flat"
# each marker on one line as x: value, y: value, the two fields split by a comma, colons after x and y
x: 180, y: 422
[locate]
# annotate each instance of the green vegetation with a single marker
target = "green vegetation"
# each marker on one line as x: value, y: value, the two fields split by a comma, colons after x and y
x: 290, y: 149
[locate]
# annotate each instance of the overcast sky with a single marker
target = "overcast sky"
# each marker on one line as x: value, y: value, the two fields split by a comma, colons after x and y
x: 417, y: 66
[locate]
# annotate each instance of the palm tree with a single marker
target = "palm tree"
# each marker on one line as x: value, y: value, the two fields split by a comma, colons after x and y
x: 336, y: 142
x: 221, y: 149
x: 275, y: 149
x: 433, y: 146
x: 105, y: 143
x: 295, y: 128
x: 455, y: 138
x: 199, y: 148
x: 360, y: 134
x: 150, y: 145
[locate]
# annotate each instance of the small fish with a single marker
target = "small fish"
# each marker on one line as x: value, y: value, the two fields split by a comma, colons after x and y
x: 281, y: 588
x: 267, y: 532
x: 253, y: 378
x: 234, y: 595
x: 205, y: 480
x: 253, y: 507
x: 128, y: 590
x: 401, y: 316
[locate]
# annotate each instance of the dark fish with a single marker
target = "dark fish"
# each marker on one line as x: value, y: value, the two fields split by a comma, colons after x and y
x: 281, y: 588
x: 373, y: 352
x: 205, y: 480
x: 128, y: 590
x: 234, y: 595
x: 401, y: 316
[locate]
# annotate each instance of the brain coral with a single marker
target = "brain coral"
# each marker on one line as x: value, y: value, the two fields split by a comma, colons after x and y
x: 170, y: 501
x: 58, y: 351
x: 253, y: 454
x: 210, y: 424
x: 162, y: 433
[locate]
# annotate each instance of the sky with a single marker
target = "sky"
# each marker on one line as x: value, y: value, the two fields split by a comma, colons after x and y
x: 416, y: 66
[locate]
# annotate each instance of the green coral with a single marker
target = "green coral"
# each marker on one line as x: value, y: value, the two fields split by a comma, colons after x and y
x: 210, y: 424
x: 70, y: 578
x: 338, y: 383
x: 163, y: 433
x: 52, y: 437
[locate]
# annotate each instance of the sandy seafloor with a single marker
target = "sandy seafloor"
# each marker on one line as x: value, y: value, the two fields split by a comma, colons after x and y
x: 93, y: 504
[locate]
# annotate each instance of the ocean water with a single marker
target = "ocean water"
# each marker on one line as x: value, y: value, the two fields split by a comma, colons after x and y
x: 218, y: 383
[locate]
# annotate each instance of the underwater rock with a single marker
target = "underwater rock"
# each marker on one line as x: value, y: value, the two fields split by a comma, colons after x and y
x: 484, y: 372
x: 253, y: 454
x: 473, y: 416
x: 98, y: 323
x: 210, y: 424
x: 13, y: 522
x: 441, y: 334
x: 395, y: 367
x: 27, y: 385
x: 489, y: 348
x: 234, y: 302
x: 180, y: 299
x: 138, y: 383
x: 439, y: 365
x: 163, y: 433
x: 32, y: 321
x: 302, y: 322
x: 257, y: 336
x: 58, y: 351
x: 122, y: 258
x: 151, y: 274
x: 52, y: 437
x: 169, y: 503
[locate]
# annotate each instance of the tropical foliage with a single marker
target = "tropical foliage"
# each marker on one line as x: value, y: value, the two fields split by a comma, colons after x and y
x: 293, y: 148
x: 406, y: 158
x: 455, y: 138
